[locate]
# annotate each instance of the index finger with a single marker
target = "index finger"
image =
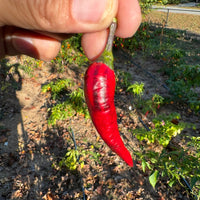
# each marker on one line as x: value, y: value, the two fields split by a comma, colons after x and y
x: 129, y: 18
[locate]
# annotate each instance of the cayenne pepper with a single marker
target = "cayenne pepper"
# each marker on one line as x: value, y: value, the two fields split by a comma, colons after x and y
x: 99, y: 92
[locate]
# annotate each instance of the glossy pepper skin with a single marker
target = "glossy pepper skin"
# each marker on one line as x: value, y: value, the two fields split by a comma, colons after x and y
x: 99, y: 94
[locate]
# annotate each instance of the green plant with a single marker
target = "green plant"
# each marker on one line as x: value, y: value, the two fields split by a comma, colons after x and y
x: 183, y: 79
x: 184, y: 93
x: 151, y: 105
x: 194, y: 104
x: 29, y: 65
x: 57, y: 87
x: 74, y: 104
x: 76, y: 99
x: 177, y: 164
x: 160, y: 43
x: 71, y: 53
x: 123, y: 79
x: 164, y: 2
x: 138, y: 42
x: 95, y: 156
x: 195, y: 143
x: 4, y: 86
x: 61, y: 111
x: 137, y: 89
x: 146, y: 5
x: 69, y: 101
x: 74, y: 158
x: 164, y: 130
x: 71, y: 160
x: 190, y: 74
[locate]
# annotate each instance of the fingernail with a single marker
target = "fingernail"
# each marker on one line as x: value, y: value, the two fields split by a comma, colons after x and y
x: 88, y: 11
x: 24, y: 45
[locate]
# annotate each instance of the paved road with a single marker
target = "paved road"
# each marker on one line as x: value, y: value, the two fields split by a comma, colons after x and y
x: 177, y: 9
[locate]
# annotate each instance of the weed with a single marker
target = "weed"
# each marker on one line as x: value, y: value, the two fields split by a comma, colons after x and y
x: 29, y: 65
x: 56, y: 87
x: 160, y: 44
x: 176, y: 164
x: 151, y: 105
x: 77, y: 101
x: 68, y: 108
x: 164, y: 130
x: 137, y: 89
x: 69, y: 101
x: 74, y: 158
x: 71, y: 160
x: 71, y: 53
x: 61, y: 111
x: 123, y: 79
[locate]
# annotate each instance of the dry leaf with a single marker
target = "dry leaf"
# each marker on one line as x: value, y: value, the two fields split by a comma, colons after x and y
x: 3, y: 139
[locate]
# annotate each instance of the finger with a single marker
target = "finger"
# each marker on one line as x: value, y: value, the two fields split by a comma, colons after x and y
x: 129, y: 18
x: 15, y: 41
x: 94, y: 43
x: 58, y: 16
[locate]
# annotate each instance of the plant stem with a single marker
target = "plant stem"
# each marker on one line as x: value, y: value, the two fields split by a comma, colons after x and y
x: 111, y: 35
x: 107, y: 56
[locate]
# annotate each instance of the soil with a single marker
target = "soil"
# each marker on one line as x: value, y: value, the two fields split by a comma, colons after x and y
x: 29, y: 146
x: 178, y: 21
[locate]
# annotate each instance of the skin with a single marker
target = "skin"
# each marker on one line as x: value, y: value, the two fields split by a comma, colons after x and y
x: 36, y: 28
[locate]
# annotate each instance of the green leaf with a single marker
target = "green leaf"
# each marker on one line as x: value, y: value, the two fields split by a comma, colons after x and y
x: 154, y: 160
x: 148, y: 165
x: 154, y: 178
x: 171, y: 182
x: 82, y: 164
x: 193, y: 181
x: 143, y: 165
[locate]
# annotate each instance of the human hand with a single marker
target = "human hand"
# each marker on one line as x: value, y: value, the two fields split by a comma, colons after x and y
x: 37, y: 27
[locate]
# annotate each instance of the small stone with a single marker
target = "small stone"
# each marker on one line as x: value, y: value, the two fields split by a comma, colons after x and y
x: 6, y: 144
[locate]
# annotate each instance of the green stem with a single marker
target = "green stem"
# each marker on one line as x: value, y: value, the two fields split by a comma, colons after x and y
x: 107, y: 55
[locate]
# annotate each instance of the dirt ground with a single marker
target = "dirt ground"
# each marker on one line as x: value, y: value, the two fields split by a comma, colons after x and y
x: 29, y: 147
x: 185, y: 22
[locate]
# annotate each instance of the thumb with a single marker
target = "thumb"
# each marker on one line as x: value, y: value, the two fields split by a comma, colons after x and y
x: 58, y: 16
x: 34, y: 27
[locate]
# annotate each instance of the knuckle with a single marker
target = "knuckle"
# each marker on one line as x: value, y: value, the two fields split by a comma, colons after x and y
x: 49, y: 15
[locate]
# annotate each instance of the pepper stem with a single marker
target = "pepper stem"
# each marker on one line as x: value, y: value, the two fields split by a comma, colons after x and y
x: 107, y: 55
x: 111, y: 35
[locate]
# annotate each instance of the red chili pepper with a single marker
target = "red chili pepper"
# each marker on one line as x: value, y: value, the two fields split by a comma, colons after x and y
x: 99, y: 94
